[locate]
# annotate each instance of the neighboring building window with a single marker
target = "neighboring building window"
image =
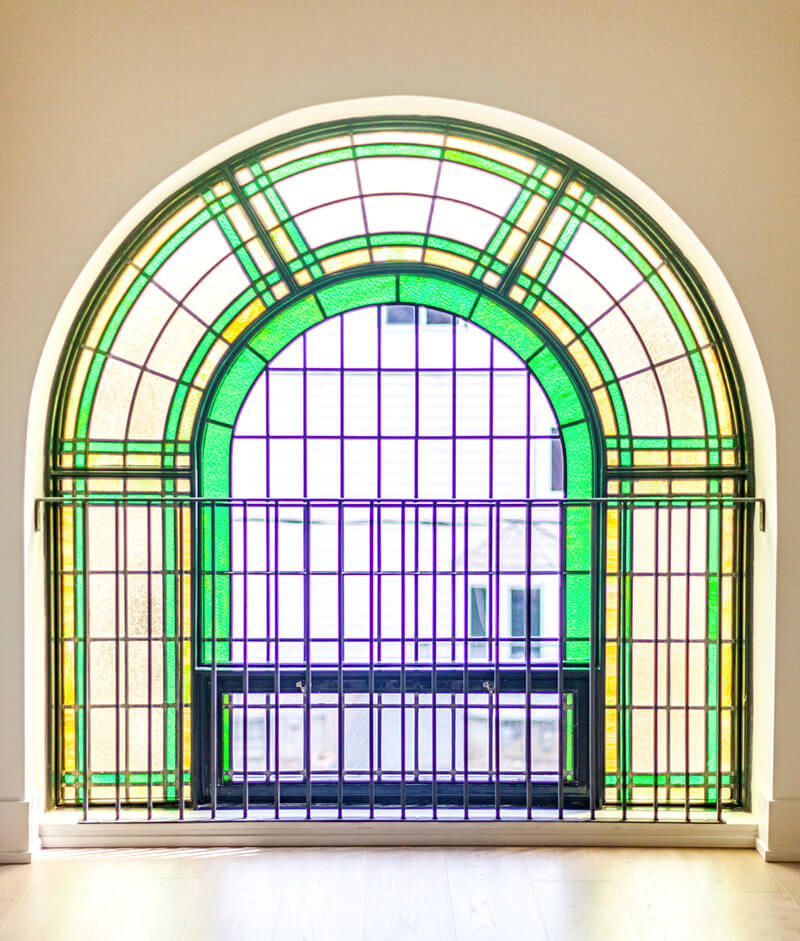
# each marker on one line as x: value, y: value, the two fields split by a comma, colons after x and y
x: 519, y: 602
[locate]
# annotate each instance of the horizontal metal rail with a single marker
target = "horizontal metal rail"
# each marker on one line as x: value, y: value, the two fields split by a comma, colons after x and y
x: 397, y: 658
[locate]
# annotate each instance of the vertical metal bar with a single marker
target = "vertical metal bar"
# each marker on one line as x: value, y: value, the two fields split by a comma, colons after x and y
x: 213, y: 771
x: 371, y: 713
x: 528, y: 679
x: 148, y: 510
x: 181, y: 692
x: 340, y: 659
x: 656, y: 615
x: 434, y: 652
x: 126, y: 677
x: 495, y: 650
x: 277, y: 669
x: 84, y: 509
x: 599, y: 518
x: 246, y: 667
x: 117, y: 676
x: 687, y: 661
x: 668, y: 658
x: 718, y: 574
x: 403, y: 659
x: 465, y: 677
x: 562, y: 629
x: 307, y: 653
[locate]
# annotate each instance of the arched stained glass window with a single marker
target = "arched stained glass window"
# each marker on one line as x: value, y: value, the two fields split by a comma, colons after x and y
x: 443, y: 226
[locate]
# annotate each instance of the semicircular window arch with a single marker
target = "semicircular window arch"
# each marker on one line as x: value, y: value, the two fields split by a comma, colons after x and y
x: 528, y: 244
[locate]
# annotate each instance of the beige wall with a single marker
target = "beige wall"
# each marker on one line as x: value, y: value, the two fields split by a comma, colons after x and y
x: 101, y: 101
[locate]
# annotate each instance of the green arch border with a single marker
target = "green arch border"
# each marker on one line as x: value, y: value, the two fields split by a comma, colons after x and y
x: 235, y: 375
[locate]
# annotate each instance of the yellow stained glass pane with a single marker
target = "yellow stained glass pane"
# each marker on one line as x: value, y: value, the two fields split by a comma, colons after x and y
x: 279, y: 290
x: 104, y: 460
x: 68, y: 673
x: 448, y: 260
x: 283, y: 243
x: 244, y: 176
x: 260, y: 256
x: 554, y: 323
x: 209, y: 364
x: 167, y: 230
x: 587, y: 366
x: 531, y: 213
x: 187, y: 740
x: 76, y: 391
x: 517, y: 294
x: 188, y: 415
x: 695, y: 458
x: 536, y: 259
x: 491, y: 278
x: 606, y: 411
x: 575, y: 190
x: 511, y: 246
x: 651, y: 458
x: 397, y: 253
x: 719, y: 390
x: 221, y: 189
x: 346, y: 260
x: 302, y: 277
x: 68, y: 719
x: 264, y: 211
x: 68, y: 606
x: 244, y: 319
x: 555, y: 225
x: 241, y: 223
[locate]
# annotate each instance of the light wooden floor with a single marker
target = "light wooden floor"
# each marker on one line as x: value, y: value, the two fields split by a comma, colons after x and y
x: 391, y: 893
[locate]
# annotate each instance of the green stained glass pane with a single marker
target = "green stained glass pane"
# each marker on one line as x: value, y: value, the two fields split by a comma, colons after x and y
x: 579, y: 460
x: 308, y: 163
x: 484, y: 163
x: 214, y: 467
x: 398, y: 150
x: 578, y: 590
x: 239, y: 377
x: 506, y: 327
x: 344, y: 245
x: 578, y: 537
x: 457, y: 248
x: 436, y: 292
x: 557, y: 385
x: 360, y: 292
x: 285, y: 326
x: 230, y: 233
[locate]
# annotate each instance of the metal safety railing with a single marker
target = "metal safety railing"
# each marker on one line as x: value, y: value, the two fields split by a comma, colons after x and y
x: 388, y: 659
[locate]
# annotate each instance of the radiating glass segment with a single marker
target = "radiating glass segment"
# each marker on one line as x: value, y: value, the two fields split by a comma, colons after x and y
x: 508, y: 217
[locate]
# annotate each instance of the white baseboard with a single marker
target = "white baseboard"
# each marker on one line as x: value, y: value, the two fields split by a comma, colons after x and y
x: 394, y: 833
x: 15, y: 832
x: 10, y: 859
